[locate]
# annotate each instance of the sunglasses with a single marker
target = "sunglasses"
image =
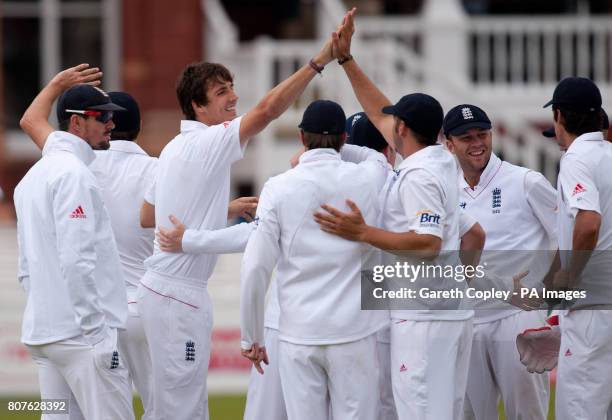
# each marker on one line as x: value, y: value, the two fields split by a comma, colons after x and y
x: 101, y: 116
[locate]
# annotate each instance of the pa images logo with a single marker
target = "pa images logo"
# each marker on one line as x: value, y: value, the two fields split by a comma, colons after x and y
x: 428, y: 218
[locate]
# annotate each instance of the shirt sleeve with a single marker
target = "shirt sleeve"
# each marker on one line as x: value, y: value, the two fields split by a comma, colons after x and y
x: 465, y: 222
x: 422, y: 199
x: 227, y: 141
x: 542, y: 198
x: 221, y: 241
x: 75, y: 223
x: 149, y: 195
x: 259, y: 259
x: 578, y: 185
x: 371, y: 161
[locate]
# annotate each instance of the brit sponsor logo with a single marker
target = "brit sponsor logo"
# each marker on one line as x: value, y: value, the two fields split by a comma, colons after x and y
x: 428, y: 218
x: 578, y: 189
x: 78, y: 213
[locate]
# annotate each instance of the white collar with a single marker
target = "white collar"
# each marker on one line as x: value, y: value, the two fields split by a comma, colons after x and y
x: 592, y: 136
x: 126, y: 146
x: 315, y: 155
x: 68, y: 142
x: 487, y: 175
x: 189, y: 125
x: 418, y: 155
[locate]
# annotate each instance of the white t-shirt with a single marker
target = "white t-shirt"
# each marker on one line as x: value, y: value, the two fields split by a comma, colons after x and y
x: 193, y: 184
x: 423, y: 199
x: 125, y: 172
x: 319, y: 275
x: 585, y: 183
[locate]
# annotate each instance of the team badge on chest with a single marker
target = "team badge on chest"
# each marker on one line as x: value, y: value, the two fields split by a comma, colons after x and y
x: 496, y: 201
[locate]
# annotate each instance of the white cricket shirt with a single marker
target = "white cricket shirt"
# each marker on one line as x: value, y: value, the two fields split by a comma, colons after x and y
x: 124, y: 173
x: 517, y: 209
x: 585, y: 183
x: 318, y: 275
x: 68, y: 261
x: 423, y: 199
x: 193, y: 184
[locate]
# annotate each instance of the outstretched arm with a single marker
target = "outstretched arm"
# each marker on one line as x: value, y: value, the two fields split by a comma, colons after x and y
x: 35, y: 120
x: 369, y: 96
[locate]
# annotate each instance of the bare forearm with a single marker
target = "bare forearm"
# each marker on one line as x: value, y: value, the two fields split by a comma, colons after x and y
x: 584, y: 241
x: 370, y: 97
x: 35, y: 120
x: 405, y: 241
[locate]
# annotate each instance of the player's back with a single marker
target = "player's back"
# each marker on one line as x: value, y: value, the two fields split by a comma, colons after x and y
x: 319, y: 274
x: 193, y: 183
x: 125, y: 172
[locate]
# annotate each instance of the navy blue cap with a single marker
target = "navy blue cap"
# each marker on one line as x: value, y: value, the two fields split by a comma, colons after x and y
x: 323, y: 117
x: 421, y: 112
x: 550, y: 132
x: 361, y: 132
x: 129, y: 120
x: 84, y: 97
x: 576, y: 93
x: 464, y: 117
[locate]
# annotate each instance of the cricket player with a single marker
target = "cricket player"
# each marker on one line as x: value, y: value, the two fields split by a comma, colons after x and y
x: 584, y: 228
x: 68, y: 260
x: 515, y: 206
x: 327, y: 344
x: 429, y: 348
x: 125, y: 172
x: 192, y: 184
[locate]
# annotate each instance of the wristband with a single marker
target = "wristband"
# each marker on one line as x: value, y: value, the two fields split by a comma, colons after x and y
x: 341, y: 61
x: 315, y: 66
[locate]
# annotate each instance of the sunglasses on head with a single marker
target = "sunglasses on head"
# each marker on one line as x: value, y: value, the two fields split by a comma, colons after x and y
x: 101, y: 116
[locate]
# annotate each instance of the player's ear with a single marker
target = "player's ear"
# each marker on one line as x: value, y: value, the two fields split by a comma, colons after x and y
x: 302, y: 139
x: 450, y: 145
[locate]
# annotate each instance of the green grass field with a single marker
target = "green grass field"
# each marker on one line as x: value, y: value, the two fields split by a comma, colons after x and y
x: 221, y: 408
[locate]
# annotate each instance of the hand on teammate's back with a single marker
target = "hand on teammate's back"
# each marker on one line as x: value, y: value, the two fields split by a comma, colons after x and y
x: 349, y: 226
x: 244, y: 207
x: 171, y: 240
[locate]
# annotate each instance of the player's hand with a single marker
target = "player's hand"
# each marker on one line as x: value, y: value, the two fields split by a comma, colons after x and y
x: 244, y: 207
x: 77, y: 75
x: 539, y: 348
x: 171, y: 240
x: 341, y: 38
x: 256, y: 355
x: 349, y: 226
x: 524, y: 303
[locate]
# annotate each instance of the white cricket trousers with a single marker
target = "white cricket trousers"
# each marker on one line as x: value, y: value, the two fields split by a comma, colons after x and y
x: 313, y: 377
x: 584, y: 372
x: 495, y: 368
x: 134, y: 350
x: 177, y: 321
x: 94, y: 376
x: 386, y: 407
x: 265, y: 396
x: 429, y: 367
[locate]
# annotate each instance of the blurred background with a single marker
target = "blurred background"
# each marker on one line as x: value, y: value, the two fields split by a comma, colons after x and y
x: 504, y: 55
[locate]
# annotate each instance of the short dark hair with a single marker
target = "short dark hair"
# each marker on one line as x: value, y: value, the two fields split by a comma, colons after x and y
x: 323, y: 141
x: 125, y: 135
x: 64, y: 124
x: 579, y: 122
x: 420, y: 138
x: 195, y: 80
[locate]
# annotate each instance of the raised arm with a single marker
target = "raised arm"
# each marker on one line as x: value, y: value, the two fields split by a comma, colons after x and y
x: 282, y: 96
x: 369, y: 96
x: 35, y: 120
